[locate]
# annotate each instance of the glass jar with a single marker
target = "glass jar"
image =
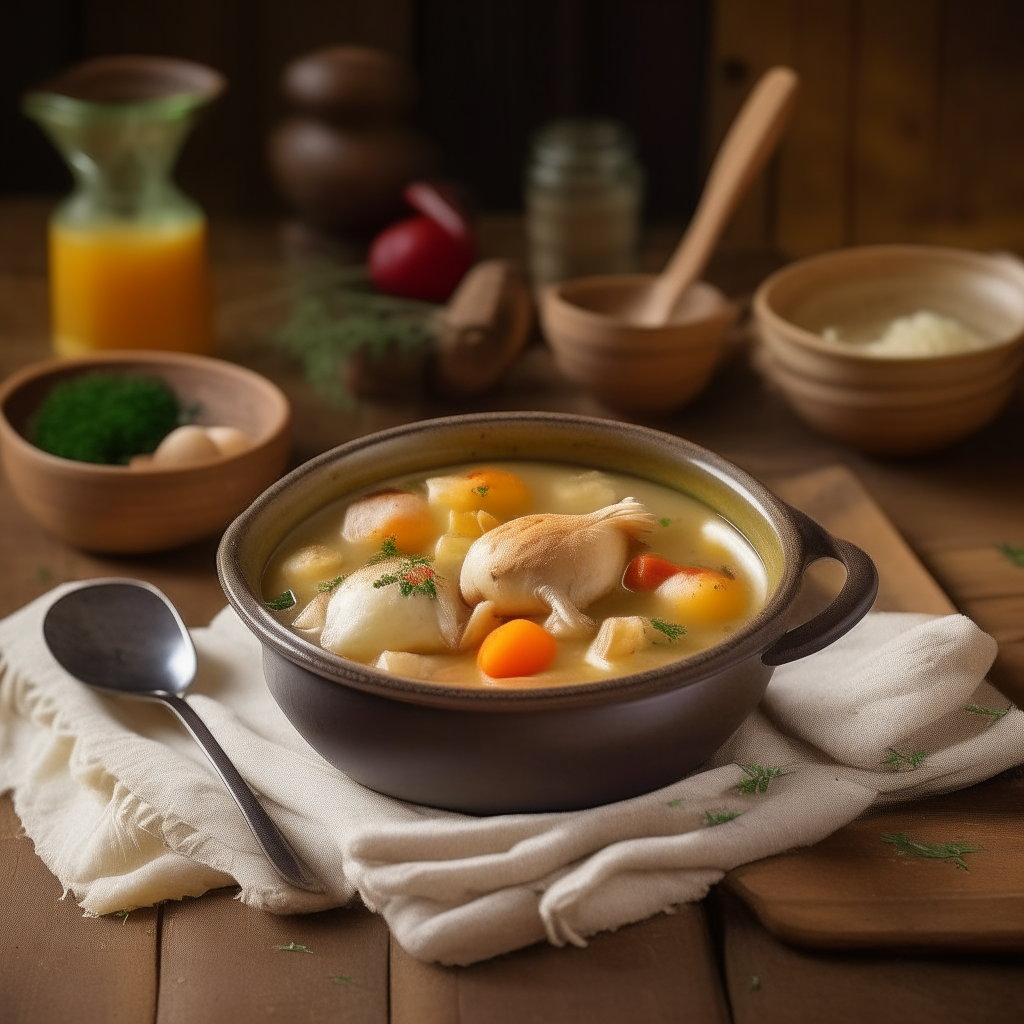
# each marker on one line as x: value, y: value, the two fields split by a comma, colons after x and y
x: 128, y: 262
x: 584, y: 192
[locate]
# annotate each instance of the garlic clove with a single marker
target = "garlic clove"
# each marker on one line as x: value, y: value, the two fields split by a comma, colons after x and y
x: 229, y: 440
x: 184, y: 446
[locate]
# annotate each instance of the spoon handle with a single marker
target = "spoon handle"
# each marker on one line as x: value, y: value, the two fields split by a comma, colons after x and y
x: 280, y: 854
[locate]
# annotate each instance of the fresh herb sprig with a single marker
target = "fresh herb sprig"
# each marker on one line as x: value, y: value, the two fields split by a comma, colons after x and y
x: 758, y: 776
x: 282, y: 602
x: 327, y: 586
x: 671, y: 629
x: 294, y: 947
x: 720, y: 817
x: 904, y: 762
x: 951, y: 852
x: 994, y: 713
x: 1013, y: 553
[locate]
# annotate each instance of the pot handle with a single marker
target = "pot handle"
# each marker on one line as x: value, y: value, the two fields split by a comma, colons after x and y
x: 850, y: 605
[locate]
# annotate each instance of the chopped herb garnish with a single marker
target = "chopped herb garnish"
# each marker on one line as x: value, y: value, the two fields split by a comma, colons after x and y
x: 665, y: 522
x: 952, y: 852
x: 328, y: 585
x: 720, y: 817
x: 758, y: 776
x: 344, y: 979
x: 676, y: 803
x: 904, y: 762
x: 755, y: 983
x: 482, y: 490
x: 389, y: 549
x: 671, y: 629
x: 294, y: 947
x: 281, y: 602
x: 1013, y: 553
x: 994, y: 713
x: 123, y: 914
x: 414, y: 576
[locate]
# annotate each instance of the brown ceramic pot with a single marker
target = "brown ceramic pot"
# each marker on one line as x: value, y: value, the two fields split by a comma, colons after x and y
x: 488, y: 751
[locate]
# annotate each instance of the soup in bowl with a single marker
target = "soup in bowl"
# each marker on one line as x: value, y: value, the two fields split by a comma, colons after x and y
x: 525, y: 611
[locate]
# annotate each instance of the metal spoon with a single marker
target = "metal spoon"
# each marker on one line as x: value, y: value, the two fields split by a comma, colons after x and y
x: 125, y: 636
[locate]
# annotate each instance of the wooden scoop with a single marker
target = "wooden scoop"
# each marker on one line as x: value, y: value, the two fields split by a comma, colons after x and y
x: 751, y: 141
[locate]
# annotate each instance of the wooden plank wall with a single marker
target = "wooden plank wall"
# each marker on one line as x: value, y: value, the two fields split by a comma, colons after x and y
x: 910, y: 125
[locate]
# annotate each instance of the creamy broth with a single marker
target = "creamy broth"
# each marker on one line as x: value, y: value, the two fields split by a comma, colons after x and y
x: 323, y: 560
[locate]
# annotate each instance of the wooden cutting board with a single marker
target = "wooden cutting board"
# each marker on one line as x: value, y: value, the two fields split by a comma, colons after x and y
x: 853, y: 891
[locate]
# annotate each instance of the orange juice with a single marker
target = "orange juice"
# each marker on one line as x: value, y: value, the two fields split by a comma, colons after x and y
x: 141, y: 286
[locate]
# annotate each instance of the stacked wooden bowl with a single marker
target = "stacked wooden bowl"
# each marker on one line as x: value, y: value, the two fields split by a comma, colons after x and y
x: 885, y: 404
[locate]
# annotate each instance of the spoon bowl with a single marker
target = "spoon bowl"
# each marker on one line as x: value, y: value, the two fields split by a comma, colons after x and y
x: 124, y: 636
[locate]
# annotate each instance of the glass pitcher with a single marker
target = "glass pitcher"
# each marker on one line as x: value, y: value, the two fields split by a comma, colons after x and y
x: 128, y: 262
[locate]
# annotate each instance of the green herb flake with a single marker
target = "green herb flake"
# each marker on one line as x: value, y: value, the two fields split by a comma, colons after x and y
x: 343, y: 979
x: 755, y: 983
x: 414, y: 576
x: 904, y: 762
x: 482, y: 490
x: 329, y: 585
x: 389, y: 549
x: 1013, y: 553
x: 665, y: 522
x: 282, y: 602
x: 994, y: 713
x: 758, y: 776
x: 294, y: 947
x: 123, y: 914
x: 953, y: 853
x: 671, y: 629
x: 676, y: 803
x: 720, y: 817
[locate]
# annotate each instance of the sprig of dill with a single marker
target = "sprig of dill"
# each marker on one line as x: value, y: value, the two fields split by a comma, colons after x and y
x: 282, y: 602
x: 904, y: 762
x: 328, y: 585
x: 671, y: 629
x: 389, y: 549
x: 994, y: 713
x: 334, y: 317
x: 294, y: 947
x: 758, y: 776
x: 719, y: 817
x: 951, y: 852
x: 1012, y: 552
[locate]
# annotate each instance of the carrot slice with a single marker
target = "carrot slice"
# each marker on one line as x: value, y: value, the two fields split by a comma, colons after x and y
x: 518, y: 648
x: 648, y: 572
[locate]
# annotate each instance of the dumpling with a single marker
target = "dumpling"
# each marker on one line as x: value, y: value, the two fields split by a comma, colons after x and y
x: 554, y: 564
x: 394, y: 604
x: 401, y: 515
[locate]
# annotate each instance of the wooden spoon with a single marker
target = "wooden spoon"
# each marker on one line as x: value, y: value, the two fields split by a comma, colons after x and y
x: 751, y: 141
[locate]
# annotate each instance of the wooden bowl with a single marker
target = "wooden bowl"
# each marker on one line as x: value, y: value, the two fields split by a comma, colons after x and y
x: 627, y: 366
x: 113, y: 509
x: 881, y: 404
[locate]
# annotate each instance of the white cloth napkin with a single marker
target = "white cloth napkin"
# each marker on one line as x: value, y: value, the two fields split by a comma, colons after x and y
x: 124, y: 809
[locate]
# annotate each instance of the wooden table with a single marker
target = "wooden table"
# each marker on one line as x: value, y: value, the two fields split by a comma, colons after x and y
x: 212, y: 959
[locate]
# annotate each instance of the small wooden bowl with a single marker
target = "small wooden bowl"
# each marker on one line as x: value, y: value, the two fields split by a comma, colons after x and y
x: 116, y: 510
x: 896, y: 406
x: 627, y: 366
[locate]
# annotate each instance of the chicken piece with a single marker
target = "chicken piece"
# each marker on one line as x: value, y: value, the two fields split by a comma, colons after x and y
x: 394, y: 604
x: 558, y: 564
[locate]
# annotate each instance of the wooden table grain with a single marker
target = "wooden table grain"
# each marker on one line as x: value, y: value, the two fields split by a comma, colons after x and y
x: 212, y: 959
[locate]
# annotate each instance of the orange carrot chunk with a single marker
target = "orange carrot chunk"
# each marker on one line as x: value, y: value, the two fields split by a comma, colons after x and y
x: 648, y: 572
x: 518, y: 648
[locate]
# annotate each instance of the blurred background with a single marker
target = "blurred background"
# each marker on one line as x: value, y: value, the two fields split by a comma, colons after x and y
x: 910, y: 125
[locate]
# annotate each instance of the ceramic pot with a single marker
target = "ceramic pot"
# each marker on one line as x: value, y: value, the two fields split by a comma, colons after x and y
x: 486, y: 751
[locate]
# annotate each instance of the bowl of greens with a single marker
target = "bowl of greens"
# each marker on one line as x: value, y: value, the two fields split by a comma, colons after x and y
x: 133, y: 451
